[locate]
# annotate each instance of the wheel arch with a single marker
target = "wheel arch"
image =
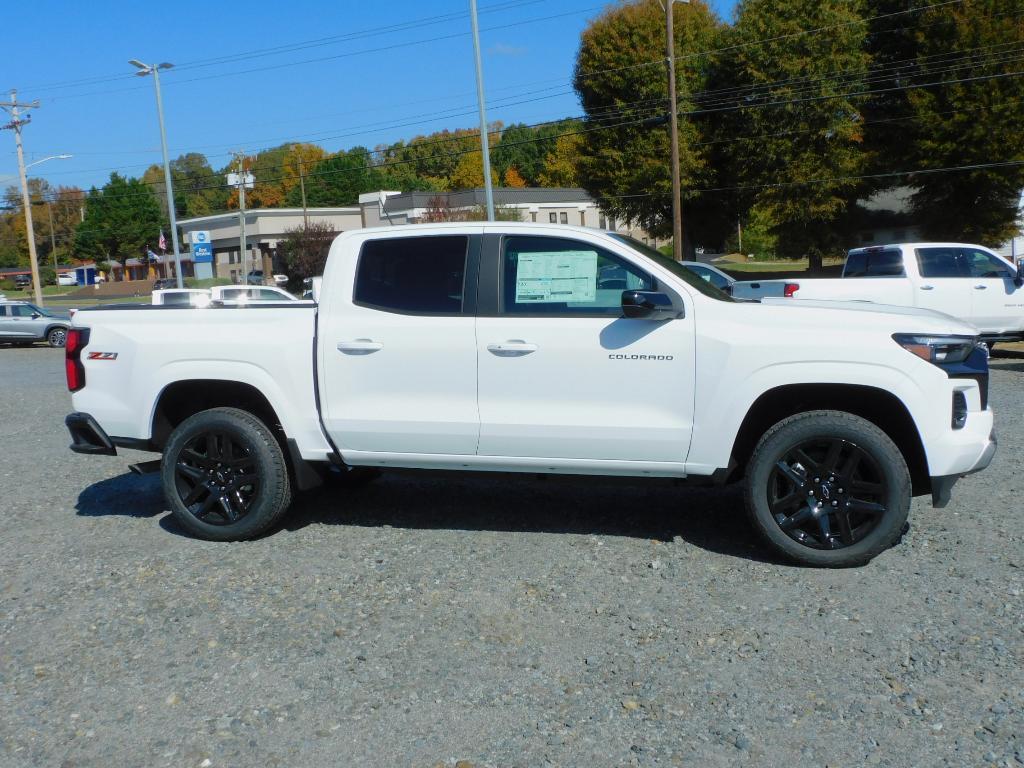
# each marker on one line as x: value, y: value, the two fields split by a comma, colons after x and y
x: 882, y: 408
x: 181, y: 399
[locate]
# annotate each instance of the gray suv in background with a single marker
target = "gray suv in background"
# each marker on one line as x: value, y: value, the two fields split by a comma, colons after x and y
x: 24, y: 323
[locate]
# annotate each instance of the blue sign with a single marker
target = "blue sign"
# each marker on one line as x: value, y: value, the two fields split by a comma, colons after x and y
x: 202, y: 253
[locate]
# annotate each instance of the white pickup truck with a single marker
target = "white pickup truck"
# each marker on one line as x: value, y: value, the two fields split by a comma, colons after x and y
x: 531, y: 348
x: 968, y: 282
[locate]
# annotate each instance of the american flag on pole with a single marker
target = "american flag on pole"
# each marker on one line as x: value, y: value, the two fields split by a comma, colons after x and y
x: 163, y: 241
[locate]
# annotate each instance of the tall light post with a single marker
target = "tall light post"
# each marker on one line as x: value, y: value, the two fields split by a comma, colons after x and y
x: 154, y: 70
x: 485, y: 147
x: 677, y: 185
x: 49, y: 211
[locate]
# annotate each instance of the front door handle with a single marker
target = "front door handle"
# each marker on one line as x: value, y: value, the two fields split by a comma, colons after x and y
x: 927, y: 287
x: 512, y: 348
x: 980, y: 287
x: 359, y: 347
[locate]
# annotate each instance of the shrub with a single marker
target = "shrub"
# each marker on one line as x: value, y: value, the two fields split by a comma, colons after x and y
x: 8, y: 285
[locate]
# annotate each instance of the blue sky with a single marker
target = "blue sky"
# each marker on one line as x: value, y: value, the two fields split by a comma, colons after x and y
x: 376, y: 86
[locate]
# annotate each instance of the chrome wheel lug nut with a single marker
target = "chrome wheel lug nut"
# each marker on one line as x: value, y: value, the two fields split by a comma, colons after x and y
x: 835, y: 503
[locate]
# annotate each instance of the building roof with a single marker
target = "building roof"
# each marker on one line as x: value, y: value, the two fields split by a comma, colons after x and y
x: 230, y: 216
x: 468, y: 198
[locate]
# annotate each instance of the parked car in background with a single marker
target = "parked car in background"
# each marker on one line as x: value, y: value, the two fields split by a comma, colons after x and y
x: 182, y: 297
x: 255, y: 277
x: 280, y: 280
x: 23, y: 281
x: 165, y: 283
x: 968, y: 282
x: 67, y: 279
x: 238, y: 295
x: 311, y: 288
x: 24, y: 323
x: 711, y: 274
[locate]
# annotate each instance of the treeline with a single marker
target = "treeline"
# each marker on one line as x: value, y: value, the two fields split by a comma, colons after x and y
x: 796, y: 111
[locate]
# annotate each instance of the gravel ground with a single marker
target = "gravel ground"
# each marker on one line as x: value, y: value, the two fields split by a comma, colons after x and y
x: 491, y: 621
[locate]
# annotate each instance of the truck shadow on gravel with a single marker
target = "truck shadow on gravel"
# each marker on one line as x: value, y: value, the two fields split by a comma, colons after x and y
x: 129, y: 495
x: 713, y: 519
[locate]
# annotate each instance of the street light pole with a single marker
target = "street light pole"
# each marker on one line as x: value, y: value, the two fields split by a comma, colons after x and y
x: 154, y: 70
x: 677, y: 186
x: 15, y: 125
x: 485, y: 148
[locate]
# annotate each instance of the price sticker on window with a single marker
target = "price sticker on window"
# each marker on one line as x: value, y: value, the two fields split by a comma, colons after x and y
x: 556, y: 277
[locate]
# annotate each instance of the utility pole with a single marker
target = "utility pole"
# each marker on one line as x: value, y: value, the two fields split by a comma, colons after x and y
x: 53, y: 237
x: 485, y: 148
x: 302, y: 186
x: 15, y: 125
x: 242, y: 179
x: 677, y: 186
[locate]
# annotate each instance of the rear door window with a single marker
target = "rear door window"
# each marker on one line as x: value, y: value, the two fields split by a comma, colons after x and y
x: 942, y: 262
x: 887, y: 263
x: 413, y: 275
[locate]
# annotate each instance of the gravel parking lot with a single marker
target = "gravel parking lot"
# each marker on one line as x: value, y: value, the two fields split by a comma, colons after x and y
x: 497, y: 621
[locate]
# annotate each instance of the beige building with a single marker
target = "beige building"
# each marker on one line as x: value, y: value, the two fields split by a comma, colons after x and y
x: 265, y: 228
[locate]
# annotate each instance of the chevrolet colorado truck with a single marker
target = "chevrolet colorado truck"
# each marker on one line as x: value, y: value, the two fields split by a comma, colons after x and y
x: 969, y: 282
x: 532, y: 348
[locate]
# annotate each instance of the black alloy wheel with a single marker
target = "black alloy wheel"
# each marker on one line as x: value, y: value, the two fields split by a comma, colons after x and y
x: 216, y: 477
x: 827, y: 493
x: 225, y: 476
x: 828, y: 489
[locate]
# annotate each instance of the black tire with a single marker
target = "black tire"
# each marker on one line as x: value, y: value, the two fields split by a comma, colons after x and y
x: 230, y: 456
x: 57, y: 337
x: 845, y: 499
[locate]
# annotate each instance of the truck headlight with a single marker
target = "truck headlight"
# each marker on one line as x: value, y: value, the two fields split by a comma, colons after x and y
x: 938, y: 350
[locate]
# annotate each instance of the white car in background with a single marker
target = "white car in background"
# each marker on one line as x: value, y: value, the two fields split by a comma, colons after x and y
x: 182, y: 297
x: 67, y: 279
x: 240, y: 295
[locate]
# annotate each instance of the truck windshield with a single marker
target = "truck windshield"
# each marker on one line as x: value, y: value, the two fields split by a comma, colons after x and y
x: 673, y: 266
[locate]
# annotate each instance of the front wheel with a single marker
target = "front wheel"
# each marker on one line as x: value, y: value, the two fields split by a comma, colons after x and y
x: 57, y: 337
x: 224, y: 475
x: 827, y: 488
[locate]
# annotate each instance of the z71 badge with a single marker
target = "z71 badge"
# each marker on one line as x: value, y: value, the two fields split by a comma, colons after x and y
x: 102, y: 356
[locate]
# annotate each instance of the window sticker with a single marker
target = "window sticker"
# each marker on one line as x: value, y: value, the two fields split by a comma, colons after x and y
x: 556, y: 277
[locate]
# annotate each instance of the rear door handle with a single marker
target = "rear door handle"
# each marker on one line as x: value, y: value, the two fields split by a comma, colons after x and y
x: 927, y: 287
x: 512, y: 348
x: 359, y: 347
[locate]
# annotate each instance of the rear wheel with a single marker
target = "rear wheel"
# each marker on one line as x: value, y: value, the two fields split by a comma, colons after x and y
x: 224, y: 475
x: 828, y: 488
x: 57, y: 337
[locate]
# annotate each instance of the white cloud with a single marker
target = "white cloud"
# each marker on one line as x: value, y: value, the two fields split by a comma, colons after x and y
x: 504, y: 49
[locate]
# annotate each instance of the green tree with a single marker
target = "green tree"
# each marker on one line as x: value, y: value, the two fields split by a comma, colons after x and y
x: 800, y: 133
x: 339, y: 180
x: 951, y: 124
x: 561, y: 166
x: 120, y: 220
x: 526, y: 148
x: 621, y: 162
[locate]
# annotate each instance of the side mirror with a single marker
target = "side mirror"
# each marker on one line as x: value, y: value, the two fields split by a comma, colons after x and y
x: 1018, y: 279
x: 36, y: 315
x: 649, y: 305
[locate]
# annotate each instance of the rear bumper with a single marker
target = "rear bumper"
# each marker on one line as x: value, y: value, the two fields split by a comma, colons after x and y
x: 942, y: 486
x: 87, y: 436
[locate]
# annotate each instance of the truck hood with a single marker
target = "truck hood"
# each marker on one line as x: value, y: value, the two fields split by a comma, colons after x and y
x: 924, y: 320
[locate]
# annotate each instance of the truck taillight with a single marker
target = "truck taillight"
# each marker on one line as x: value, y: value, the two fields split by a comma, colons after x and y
x: 76, y: 341
x: 790, y: 289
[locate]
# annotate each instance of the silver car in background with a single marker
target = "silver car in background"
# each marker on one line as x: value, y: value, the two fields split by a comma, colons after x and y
x: 24, y: 323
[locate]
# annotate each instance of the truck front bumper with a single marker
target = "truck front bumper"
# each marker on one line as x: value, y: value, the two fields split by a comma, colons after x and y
x: 87, y: 436
x: 942, y: 486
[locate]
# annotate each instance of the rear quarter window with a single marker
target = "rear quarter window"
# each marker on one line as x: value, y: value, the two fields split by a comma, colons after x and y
x: 887, y: 263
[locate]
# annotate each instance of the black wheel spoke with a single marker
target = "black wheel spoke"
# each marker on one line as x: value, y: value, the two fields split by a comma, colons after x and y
x: 791, y: 474
x: 809, y: 464
x: 863, y: 488
x: 845, y: 530
x: 852, y: 461
x: 193, y: 496
x: 866, y: 507
x: 831, y: 462
x: 226, y: 507
x: 206, y: 508
x: 787, y: 502
x: 196, y: 458
x: 192, y: 473
x: 793, y: 521
x: 825, y: 529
